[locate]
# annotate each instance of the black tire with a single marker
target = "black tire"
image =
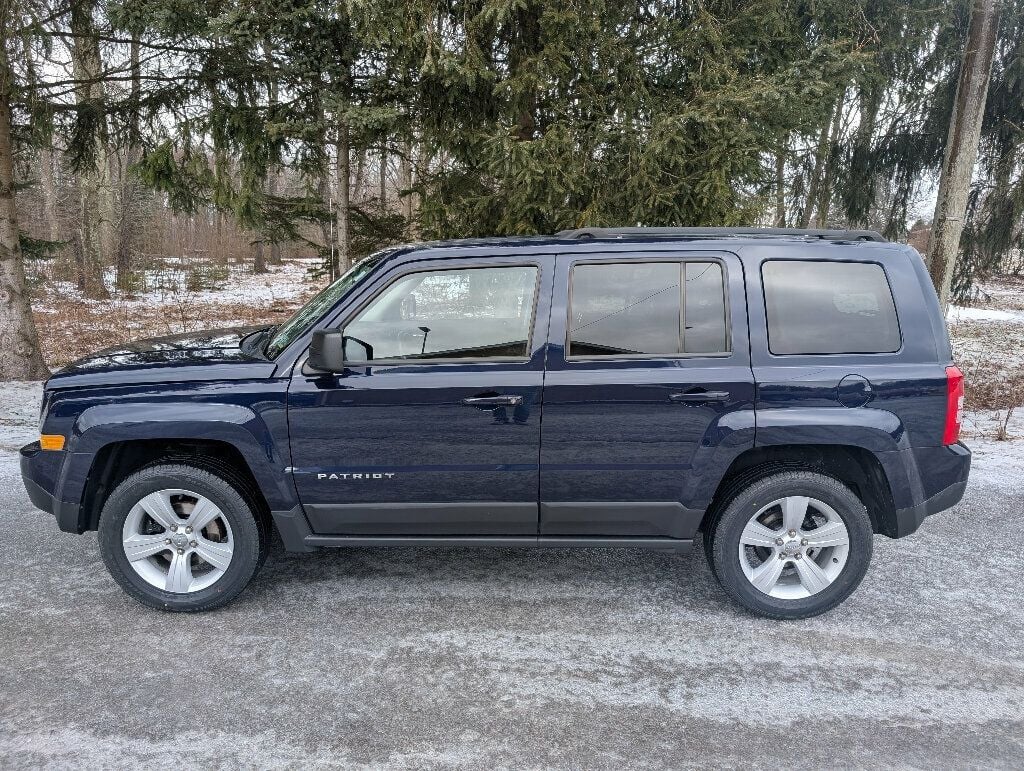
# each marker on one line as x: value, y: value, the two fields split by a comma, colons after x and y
x: 249, y: 533
x: 723, y: 540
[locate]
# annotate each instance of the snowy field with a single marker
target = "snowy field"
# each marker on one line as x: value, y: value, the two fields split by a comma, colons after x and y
x: 72, y: 326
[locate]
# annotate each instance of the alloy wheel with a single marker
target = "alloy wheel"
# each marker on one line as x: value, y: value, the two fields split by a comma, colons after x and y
x: 178, y: 541
x: 794, y: 547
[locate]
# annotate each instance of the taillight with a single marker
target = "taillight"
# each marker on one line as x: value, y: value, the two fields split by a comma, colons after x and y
x: 954, y: 405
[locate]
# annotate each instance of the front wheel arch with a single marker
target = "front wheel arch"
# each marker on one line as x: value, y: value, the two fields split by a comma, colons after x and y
x: 116, y: 461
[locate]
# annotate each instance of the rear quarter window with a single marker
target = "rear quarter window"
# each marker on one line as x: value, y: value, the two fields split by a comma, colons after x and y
x: 820, y: 307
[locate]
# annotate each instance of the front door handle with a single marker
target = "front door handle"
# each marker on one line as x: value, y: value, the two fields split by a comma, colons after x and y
x: 700, y: 397
x: 501, y: 400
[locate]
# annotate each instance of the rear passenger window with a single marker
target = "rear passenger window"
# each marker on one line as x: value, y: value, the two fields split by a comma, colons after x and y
x: 647, y: 308
x: 829, y: 307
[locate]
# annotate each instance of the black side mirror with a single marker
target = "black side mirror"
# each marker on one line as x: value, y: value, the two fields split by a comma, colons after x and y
x: 331, y: 350
x: 327, y: 350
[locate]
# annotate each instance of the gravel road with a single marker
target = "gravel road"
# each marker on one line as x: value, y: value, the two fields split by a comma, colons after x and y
x: 498, y: 658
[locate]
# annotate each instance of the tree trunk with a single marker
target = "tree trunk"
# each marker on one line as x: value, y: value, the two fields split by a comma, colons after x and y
x: 272, y: 171
x: 343, y: 256
x: 20, y: 356
x: 359, y: 177
x: 259, y: 262
x: 825, y: 195
x: 820, y: 161
x: 780, y: 185
x: 275, y: 247
x: 408, y: 196
x: 962, y: 145
x: 94, y: 183
x: 383, y: 179
x: 49, y: 183
x: 130, y: 192
x: 46, y: 175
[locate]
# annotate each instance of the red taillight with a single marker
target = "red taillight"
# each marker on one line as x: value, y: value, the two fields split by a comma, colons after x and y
x: 954, y: 405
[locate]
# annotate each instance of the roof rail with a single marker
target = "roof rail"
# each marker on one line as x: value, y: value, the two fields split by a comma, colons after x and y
x: 825, y: 235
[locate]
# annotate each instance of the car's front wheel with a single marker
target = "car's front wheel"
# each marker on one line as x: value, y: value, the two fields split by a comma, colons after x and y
x: 178, y: 537
x: 791, y: 545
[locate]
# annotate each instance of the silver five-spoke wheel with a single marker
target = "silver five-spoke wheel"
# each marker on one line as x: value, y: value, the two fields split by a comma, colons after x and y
x: 794, y: 547
x: 177, y: 541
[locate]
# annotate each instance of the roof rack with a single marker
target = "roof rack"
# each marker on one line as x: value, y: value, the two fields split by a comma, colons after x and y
x: 825, y: 235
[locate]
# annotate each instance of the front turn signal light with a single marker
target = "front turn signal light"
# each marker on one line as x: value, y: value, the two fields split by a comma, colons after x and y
x: 51, y: 441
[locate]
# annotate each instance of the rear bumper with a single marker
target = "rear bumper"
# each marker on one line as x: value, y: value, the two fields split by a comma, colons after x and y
x: 953, y: 463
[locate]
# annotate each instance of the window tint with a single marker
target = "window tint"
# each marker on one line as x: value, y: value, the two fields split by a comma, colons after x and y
x: 704, y: 309
x: 638, y: 308
x: 829, y: 307
x: 471, y: 313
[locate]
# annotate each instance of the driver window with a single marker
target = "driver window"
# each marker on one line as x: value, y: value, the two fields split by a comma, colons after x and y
x: 449, y: 314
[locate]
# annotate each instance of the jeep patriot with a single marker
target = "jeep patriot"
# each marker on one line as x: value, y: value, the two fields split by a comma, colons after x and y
x: 784, y: 394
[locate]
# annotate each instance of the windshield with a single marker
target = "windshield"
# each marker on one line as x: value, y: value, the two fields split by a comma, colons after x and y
x: 317, y: 307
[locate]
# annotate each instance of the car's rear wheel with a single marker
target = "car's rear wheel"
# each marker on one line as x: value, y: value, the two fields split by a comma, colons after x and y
x: 791, y: 545
x: 177, y: 537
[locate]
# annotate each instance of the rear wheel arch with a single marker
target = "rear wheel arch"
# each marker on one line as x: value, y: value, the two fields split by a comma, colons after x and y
x: 856, y: 467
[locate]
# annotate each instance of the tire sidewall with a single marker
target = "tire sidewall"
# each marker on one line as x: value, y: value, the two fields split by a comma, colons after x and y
x: 729, y: 528
x: 246, y: 554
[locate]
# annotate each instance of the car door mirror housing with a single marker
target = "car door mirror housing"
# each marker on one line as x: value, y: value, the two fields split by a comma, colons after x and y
x: 327, y: 350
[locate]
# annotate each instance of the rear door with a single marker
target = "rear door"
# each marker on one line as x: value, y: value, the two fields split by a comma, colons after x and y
x: 648, y: 379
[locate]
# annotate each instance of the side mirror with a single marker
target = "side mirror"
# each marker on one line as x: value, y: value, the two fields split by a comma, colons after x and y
x: 327, y: 350
x: 331, y: 350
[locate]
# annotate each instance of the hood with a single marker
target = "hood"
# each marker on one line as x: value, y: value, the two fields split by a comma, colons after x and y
x: 188, y: 356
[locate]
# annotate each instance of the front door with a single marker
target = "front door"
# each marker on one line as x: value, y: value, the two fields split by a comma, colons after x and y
x: 648, y: 369
x: 434, y: 429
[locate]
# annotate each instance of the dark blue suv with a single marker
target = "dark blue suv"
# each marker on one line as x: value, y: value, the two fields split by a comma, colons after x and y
x: 786, y: 393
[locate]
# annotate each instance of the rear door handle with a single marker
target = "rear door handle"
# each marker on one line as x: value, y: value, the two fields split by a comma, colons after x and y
x: 700, y: 397
x: 502, y: 400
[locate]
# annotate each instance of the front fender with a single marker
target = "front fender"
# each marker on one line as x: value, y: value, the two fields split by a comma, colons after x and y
x: 240, y: 426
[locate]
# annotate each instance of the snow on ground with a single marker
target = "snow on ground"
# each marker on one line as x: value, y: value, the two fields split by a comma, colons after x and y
x: 284, y: 282
x: 959, y: 313
x: 19, y: 416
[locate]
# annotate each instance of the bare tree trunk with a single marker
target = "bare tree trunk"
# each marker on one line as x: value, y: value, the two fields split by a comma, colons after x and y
x: 962, y: 145
x: 272, y: 171
x: 820, y: 161
x: 405, y: 183
x: 343, y: 257
x: 49, y: 184
x: 383, y: 179
x: 259, y: 262
x: 359, y: 177
x: 780, y: 185
x: 20, y: 356
x: 825, y: 195
x: 130, y: 192
x: 95, y: 214
x: 275, y: 246
x: 46, y: 176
